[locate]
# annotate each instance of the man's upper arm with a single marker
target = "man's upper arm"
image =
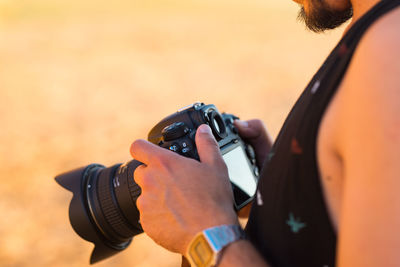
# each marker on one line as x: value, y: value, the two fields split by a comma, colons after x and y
x: 369, y: 229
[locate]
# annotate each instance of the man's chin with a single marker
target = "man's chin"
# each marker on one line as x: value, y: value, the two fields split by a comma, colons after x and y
x: 319, y: 17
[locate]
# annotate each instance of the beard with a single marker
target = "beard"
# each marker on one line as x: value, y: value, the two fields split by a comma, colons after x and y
x: 322, y: 17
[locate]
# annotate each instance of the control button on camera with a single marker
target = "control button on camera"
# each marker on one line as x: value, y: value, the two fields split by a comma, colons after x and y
x: 185, y: 147
x: 185, y: 150
x: 174, y: 147
x: 174, y: 131
x: 256, y: 171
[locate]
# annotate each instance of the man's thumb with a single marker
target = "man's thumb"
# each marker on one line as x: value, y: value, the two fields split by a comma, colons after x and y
x: 207, y: 146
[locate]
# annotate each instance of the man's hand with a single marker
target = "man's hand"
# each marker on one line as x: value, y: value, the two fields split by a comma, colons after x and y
x: 181, y: 196
x: 255, y: 133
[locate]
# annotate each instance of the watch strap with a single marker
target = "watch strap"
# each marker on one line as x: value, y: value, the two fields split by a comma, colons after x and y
x: 220, y: 236
x: 206, y: 247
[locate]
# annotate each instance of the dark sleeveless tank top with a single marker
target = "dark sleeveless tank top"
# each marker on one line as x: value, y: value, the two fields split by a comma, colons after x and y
x: 289, y: 223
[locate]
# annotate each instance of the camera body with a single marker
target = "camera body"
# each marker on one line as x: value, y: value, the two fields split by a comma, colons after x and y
x: 177, y: 133
x: 103, y: 207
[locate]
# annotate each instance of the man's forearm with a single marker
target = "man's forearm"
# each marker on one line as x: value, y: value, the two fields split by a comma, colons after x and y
x: 241, y: 253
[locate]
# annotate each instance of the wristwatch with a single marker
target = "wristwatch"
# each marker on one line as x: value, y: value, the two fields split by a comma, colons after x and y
x: 206, y: 247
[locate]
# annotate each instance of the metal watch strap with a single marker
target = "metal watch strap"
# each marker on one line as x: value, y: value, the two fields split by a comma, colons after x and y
x: 220, y: 236
x: 217, y: 239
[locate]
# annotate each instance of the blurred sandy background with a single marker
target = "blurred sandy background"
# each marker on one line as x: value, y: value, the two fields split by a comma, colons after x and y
x: 80, y: 80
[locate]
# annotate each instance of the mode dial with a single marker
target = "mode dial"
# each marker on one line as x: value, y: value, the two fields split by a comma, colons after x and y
x: 174, y: 131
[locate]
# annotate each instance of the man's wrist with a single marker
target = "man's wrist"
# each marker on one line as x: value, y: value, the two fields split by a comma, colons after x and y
x: 241, y: 253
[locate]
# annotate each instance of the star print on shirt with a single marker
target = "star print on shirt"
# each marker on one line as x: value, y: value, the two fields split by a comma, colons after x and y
x: 295, y: 147
x: 295, y: 224
x: 270, y: 155
x: 343, y: 49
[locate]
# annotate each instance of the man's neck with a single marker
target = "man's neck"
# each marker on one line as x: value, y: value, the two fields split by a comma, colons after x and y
x: 360, y: 7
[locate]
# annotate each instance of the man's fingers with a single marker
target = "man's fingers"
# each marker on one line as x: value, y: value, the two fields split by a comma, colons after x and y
x: 138, y: 174
x: 144, y: 178
x: 255, y: 133
x: 145, y: 151
x: 207, y: 146
x: 252, y: 129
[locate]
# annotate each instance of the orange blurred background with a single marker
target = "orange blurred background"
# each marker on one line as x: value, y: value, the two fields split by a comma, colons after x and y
x: 80, y: 80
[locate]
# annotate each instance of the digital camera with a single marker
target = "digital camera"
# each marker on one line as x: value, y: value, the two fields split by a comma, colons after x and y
x: 103, y: 208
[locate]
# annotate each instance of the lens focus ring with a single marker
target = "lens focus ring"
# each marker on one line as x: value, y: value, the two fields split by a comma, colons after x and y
x: 109, y: 207
x: 134, y: 188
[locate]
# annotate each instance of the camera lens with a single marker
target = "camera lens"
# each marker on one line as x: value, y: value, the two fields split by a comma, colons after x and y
x: 103, y: 209
x: 109, y: 207
x: 217, y: 125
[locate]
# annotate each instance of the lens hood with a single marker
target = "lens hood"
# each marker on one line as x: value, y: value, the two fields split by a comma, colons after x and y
x: 80, y: 215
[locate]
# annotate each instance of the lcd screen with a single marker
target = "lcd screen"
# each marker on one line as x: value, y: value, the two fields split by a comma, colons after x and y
x: 240, y: 172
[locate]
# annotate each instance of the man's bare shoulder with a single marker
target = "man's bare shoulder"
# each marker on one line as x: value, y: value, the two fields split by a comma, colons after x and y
x: 386, y: 26
x: 370, y: 90
x: 379, y: 47
x: 373, y: 77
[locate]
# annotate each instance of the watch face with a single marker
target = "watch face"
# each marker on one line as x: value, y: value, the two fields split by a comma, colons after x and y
x: 200, y: 252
